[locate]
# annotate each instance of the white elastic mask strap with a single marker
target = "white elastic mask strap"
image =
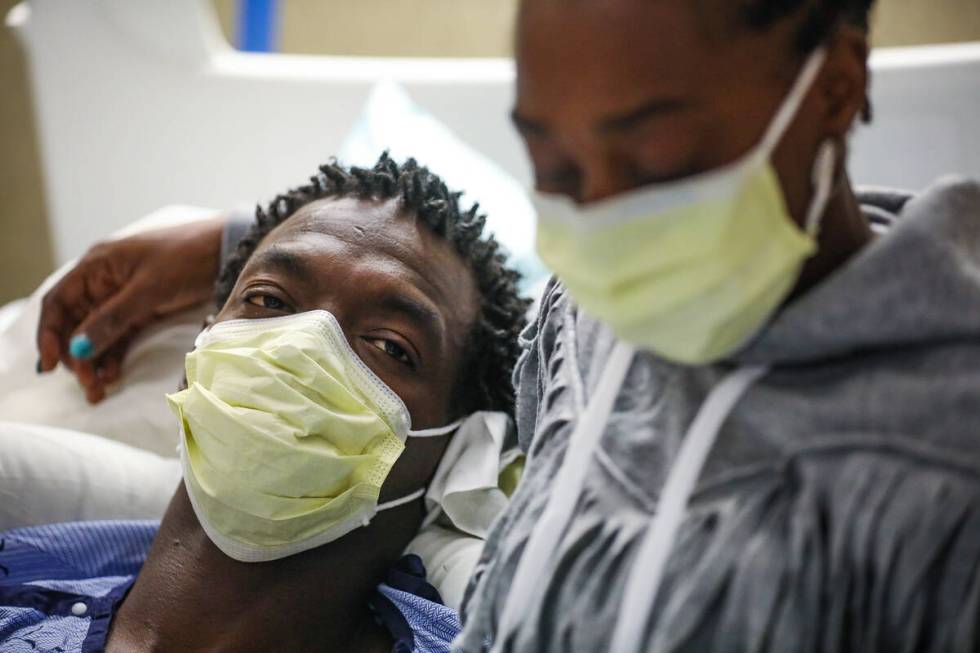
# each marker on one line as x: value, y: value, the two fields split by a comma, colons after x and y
x: 658, y: 540
x: 565, y: 491
x: 394, y: 503
x: 408, y: 498
x: 794, y: 99
x: 824, y: 172
x: 439, y: 430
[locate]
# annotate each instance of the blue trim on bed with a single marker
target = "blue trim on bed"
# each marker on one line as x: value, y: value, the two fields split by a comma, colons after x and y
x: 258, y: 25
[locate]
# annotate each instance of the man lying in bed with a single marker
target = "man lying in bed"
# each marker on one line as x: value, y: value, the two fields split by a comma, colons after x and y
x: 362, y: 311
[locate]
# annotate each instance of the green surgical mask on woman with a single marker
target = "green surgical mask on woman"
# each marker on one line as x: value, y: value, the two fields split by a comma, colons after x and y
x: 691, y: 269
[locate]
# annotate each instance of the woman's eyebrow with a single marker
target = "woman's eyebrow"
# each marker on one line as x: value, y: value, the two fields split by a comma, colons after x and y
x: 528, y: 125
x: 632, y: 118
x: 617, y: 123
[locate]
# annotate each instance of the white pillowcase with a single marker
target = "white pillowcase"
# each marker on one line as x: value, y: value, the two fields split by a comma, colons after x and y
x: 50, y: 475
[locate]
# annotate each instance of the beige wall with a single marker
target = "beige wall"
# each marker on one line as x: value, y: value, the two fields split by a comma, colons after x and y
x: 461, y: 28
x: 406, y: 28
x: 914, y: 22
x: 25, y: 250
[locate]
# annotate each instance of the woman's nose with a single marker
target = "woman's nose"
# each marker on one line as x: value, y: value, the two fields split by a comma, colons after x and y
x: 605, y: 177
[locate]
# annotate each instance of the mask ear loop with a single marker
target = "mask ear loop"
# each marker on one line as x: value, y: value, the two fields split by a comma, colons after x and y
x: 401, y: 501
x: 433, y: 432
x: 794, y: 99
x: 824, y: 169
x: 394, y: 503
x: 408, y: 498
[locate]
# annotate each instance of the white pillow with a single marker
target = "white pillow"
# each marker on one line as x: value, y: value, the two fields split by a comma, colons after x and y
x: 392, y: 121
x: 50, y: 475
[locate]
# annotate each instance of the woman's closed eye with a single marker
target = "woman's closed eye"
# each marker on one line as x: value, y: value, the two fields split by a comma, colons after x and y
x: 391, y: 348
x: 562, y: 180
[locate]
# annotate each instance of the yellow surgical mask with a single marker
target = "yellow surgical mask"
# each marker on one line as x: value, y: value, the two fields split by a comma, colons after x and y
x: 691, y: 269
x: 286, y: 435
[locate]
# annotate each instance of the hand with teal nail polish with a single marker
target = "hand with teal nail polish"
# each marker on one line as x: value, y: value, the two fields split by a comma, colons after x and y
x: 118, y: 288
x: 80, y: 347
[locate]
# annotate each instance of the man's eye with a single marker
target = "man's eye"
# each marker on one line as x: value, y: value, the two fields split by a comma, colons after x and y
x: 391, y: 348
x: 266, y: 301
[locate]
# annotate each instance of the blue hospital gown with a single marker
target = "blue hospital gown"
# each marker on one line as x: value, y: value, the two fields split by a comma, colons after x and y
x: 61, y: 584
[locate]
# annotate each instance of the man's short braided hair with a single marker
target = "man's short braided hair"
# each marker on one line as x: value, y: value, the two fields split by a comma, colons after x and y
x: 492, y: 346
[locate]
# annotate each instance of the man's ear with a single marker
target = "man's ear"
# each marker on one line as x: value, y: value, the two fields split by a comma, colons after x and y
x: 843, y: 84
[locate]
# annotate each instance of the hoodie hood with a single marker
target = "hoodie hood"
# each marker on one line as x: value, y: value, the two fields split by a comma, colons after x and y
x: 917, y: 283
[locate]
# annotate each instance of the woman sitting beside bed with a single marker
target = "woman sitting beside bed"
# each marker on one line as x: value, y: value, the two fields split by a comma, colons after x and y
x: 363, y: 314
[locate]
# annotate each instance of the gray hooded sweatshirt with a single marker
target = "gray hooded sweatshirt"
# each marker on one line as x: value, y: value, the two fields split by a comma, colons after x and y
x: 839, y: 508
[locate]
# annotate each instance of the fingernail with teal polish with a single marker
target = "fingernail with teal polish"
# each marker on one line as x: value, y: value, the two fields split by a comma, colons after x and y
x: 80, y: 347
x: 38, y: 368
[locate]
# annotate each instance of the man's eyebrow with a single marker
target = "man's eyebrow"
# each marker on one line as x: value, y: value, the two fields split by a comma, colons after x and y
x: 283, y: 260
x: 415, y: 310
x: 634, y: 117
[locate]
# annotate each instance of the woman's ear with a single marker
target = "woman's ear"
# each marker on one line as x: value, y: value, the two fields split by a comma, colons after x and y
x: 843, y: 83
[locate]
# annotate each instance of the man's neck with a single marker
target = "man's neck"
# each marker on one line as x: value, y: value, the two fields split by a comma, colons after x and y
x: 844, y: 231
x: 191, y: 597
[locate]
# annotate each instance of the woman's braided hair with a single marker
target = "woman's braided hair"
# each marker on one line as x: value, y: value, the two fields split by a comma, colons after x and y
x: 820, y: 19
x: 492, y: 346
x: 819, y: 22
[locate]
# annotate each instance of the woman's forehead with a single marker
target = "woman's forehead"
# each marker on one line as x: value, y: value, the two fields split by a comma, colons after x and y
x: 621, y: 50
